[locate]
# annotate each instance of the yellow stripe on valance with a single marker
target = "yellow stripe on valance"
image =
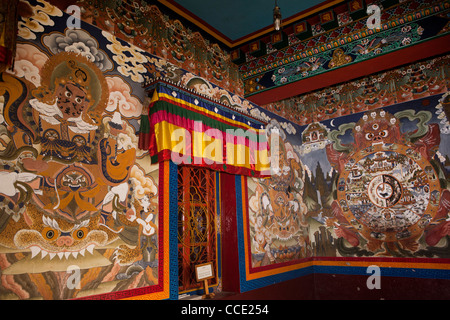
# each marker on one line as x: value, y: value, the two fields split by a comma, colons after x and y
x: 191, y: 130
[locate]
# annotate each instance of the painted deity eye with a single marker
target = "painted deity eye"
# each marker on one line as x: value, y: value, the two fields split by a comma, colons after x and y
x: 384, y: 133
x: 369, y: 136
x: 68, y: 94
x: 78, y: 100
x: 49, y: 233
x: 375, y: 126
x: 80, y: 233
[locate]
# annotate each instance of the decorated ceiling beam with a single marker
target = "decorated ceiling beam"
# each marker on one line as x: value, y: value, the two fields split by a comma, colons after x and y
x: 191, y: 129
x: 351, y: 72
x: 402, y: 26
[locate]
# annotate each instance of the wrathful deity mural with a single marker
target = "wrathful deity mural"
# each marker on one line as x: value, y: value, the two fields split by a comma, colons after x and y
x: 74, y: 194
x: 370, y: 184
x: 277, y: 213
x: 391, y: 192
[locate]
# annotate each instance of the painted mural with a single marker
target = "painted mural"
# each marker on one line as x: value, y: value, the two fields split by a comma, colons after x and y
x: 362, y: 167
x: 391, y: 195
x: 369, y: 184
x: 277, y: 214
x: 411, y: 82
x: 147, y: 27
x: 79, y: 200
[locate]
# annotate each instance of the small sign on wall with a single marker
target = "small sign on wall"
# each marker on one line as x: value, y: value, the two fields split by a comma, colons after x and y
x: 203, y: 272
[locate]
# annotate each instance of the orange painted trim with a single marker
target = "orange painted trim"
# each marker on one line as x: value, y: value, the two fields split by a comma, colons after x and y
x: 246, y: 226
x: 196, y: 21
x: 272, y: 272
x: 384, y: 264
x: 299, y: 16
x: 344, y: 263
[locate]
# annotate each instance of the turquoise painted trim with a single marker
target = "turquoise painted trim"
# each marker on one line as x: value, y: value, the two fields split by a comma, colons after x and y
x: 354, y: 35
x: 345, y: 65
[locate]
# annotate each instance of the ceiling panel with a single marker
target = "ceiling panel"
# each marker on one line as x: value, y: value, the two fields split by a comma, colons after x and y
x: 236, y: 19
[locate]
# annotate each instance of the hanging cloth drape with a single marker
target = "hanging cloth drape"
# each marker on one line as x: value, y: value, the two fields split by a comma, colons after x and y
x: 191, y: 130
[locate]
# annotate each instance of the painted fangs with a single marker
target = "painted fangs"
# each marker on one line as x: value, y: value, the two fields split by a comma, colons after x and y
x: 90, y: 248
x: 35, y: 250
x: 285, y: 238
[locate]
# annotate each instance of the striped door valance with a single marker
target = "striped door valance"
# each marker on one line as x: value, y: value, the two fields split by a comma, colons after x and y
x: 193, y: 130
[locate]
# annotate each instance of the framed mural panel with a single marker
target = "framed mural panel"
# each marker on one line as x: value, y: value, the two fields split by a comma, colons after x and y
x: 361, y: 189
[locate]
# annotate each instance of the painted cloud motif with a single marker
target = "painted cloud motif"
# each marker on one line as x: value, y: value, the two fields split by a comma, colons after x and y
x: 120, y: 98
x: 129, y: 59
x: 41, y: 17
x: 28, y: 63
x: 81, y: 42
x: 144, y: 185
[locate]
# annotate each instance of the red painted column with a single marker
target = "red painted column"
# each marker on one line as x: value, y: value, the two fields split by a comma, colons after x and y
x: 229, y: 243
